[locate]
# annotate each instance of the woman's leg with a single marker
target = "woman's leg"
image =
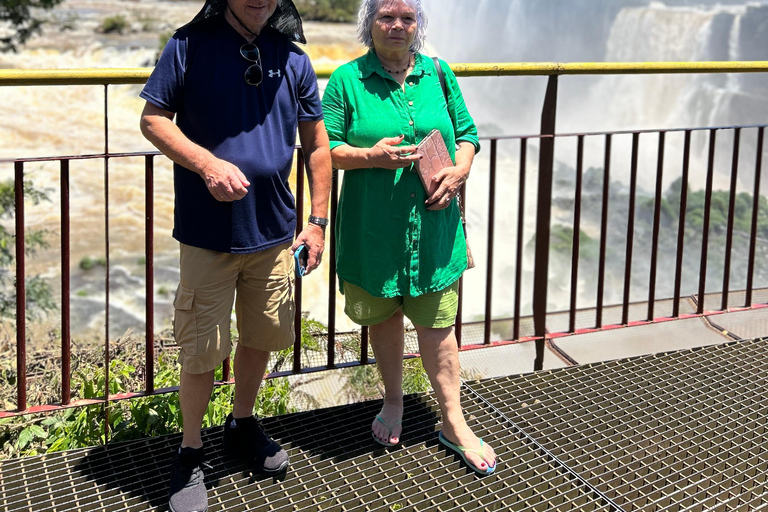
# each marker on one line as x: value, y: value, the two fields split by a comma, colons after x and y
x: 387, y: 340
x: 440, y: 356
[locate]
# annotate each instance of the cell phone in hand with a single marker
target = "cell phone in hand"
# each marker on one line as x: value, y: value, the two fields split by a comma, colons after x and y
x: 301, y: 255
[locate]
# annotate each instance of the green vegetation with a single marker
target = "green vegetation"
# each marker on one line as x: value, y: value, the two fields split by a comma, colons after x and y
x: 344, y: 11
x: 38, y: 293
x: 21, y: 15
x: 129, y: 419
x: 111, y: 24
x: 562, y: 234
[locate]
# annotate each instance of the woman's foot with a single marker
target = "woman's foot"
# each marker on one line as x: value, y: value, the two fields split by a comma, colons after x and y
x: 388, y: 428
x: 463, y: 436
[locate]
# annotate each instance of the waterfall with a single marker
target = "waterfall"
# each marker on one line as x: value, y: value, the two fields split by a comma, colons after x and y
x: 594, y: 31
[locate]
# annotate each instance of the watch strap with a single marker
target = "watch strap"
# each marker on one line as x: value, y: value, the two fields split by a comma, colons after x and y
x: 319, y: 221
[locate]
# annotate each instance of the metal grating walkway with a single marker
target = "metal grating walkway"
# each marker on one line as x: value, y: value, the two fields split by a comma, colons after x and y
x: 682, y: 431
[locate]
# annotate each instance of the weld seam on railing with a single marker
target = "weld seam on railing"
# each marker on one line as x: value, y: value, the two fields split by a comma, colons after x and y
x: 548, y: 453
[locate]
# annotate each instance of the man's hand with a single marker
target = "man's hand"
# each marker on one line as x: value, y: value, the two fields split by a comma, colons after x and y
x: 313, y: 238
x: 225, y: 181
x: 388, y: 155
x: 451, y: 179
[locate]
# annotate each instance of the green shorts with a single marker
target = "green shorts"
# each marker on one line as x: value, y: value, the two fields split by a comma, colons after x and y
x: 437, y: 309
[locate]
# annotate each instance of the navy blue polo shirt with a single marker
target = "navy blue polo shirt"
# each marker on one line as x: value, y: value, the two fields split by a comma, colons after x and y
x: 200, y: 78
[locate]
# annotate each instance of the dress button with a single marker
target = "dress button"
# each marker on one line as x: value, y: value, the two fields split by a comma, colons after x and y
x: 410, y: 83
x: 410, y: 123
x: 413, y: 195
x: 410, y: 103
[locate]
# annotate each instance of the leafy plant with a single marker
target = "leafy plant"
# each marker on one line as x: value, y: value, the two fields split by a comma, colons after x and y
x: 117, y: 23
x: 19, y: 14
x: 38, y: 293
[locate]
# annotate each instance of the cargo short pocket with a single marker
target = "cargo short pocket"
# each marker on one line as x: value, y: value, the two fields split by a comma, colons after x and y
x: 185, y: 321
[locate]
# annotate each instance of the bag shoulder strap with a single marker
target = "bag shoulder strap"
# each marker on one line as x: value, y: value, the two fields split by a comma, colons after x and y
x: 441, y: 77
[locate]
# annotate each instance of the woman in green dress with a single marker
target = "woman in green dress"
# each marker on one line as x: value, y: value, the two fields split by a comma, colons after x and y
x: 399, y: 252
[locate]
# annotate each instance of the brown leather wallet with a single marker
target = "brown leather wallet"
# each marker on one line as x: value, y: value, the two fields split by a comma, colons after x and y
x: 434, y: 159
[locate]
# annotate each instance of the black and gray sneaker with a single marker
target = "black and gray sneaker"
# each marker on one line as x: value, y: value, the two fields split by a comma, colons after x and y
x: 188, y: 493
x: 245, y: 439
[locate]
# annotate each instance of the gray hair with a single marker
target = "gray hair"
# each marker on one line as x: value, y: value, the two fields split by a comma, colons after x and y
x: 367, y: 16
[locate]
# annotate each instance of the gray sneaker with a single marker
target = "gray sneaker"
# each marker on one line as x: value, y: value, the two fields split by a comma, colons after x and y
x: 188, y: 492
x: 248, y: 441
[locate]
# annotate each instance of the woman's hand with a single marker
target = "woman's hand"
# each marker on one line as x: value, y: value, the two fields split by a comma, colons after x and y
x: 450, y: 181
x: 388, y: 155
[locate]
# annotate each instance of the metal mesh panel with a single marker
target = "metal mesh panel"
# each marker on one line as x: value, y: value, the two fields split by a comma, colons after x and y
x: 678, y: 431
x: 743, y: 324
x: 672, y: 432
x: 638, y: 340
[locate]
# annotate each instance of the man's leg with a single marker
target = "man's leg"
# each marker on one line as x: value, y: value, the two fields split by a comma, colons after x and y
x: 440, y: 356
x: 265, y: 313
x: 194, y: 395
x: 388, y: 341
x: 250, y: 366
x: 203, y: 310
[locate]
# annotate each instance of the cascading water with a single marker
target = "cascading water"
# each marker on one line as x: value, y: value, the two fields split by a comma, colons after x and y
x: 595, y: 31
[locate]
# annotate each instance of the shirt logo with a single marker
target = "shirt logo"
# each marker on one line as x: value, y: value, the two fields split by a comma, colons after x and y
x: 273, y: 74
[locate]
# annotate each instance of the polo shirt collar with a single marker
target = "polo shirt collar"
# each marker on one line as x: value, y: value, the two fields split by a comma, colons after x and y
x: 370, y: 64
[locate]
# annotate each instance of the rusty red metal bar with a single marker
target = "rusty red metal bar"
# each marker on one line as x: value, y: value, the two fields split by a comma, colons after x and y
x: 705, y: 227
x: 681, y: 224
x: 731, y: 215
x: 491, y: 239
x: 576, y: 232
x: 149, y: 262
x: 106, y: 259
x: 543, y: 219
x: 656, y: 225
x: 630, y: 229
x: 603, y: 232
x: 298, y: 286
x: 332, y: 272
x: 66, y: 326
x: 21, y: 292
x: 520, y: 237
x: 755, y: 213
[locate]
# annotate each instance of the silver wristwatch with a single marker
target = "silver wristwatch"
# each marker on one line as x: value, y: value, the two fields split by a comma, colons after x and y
x: 319, y: 221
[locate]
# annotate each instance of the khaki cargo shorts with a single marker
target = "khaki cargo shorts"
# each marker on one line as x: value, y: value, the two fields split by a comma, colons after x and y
x: 264, y: 308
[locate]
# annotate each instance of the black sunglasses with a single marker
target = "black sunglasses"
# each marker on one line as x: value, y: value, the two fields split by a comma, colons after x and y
x: 254, y: 73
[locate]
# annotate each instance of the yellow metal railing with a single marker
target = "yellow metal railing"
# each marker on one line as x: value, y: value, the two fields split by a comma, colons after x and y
x: 140, y: 75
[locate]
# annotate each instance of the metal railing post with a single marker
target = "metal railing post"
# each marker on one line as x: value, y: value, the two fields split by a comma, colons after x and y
x: 66, y: 340
x: 21, y: 295
x: 543, y: 217
x: 491, y: 237
x: 297, y: 288
x: 149, y: 263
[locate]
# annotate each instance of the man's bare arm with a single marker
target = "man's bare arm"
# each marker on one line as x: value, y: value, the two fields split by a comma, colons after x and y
x: 317, y: 155
x: 225, y: 181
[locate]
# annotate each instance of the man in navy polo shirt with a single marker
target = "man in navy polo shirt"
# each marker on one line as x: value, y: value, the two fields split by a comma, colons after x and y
x: 239, y: 88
